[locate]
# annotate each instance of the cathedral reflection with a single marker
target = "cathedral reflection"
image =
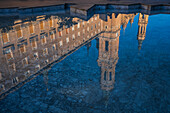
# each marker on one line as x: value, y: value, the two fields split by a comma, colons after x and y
x: 142, y: 23
x: 31, y: 44
x: 109, y: 46
x: 108, y: 50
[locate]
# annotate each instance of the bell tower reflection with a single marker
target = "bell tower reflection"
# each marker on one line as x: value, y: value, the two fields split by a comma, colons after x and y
x: 108, y: 57
x: 108, y: 51
x: 142, y: 23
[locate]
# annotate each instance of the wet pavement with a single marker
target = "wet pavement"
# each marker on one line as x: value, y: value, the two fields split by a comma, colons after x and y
x: 110, y: 63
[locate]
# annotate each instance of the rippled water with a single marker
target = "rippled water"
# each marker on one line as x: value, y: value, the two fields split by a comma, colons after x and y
x: 109, y: 72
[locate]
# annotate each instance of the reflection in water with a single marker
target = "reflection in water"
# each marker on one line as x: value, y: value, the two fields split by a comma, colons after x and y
x: 103, y: 75
x: 30, y: 45
x: 108, y: 50
x: 142, y: 23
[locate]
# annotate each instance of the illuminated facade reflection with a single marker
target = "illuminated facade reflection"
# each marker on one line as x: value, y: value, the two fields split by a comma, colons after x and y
x: 108, y: 51
x: 28, y: 46
x: 31, y: 44
x: 109, y: 46
x: 142, y: 24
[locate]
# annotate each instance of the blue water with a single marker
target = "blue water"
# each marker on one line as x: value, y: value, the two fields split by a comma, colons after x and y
x: 142, y: 78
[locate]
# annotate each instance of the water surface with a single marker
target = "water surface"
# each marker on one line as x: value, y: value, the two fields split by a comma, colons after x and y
x: 106, y: 64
